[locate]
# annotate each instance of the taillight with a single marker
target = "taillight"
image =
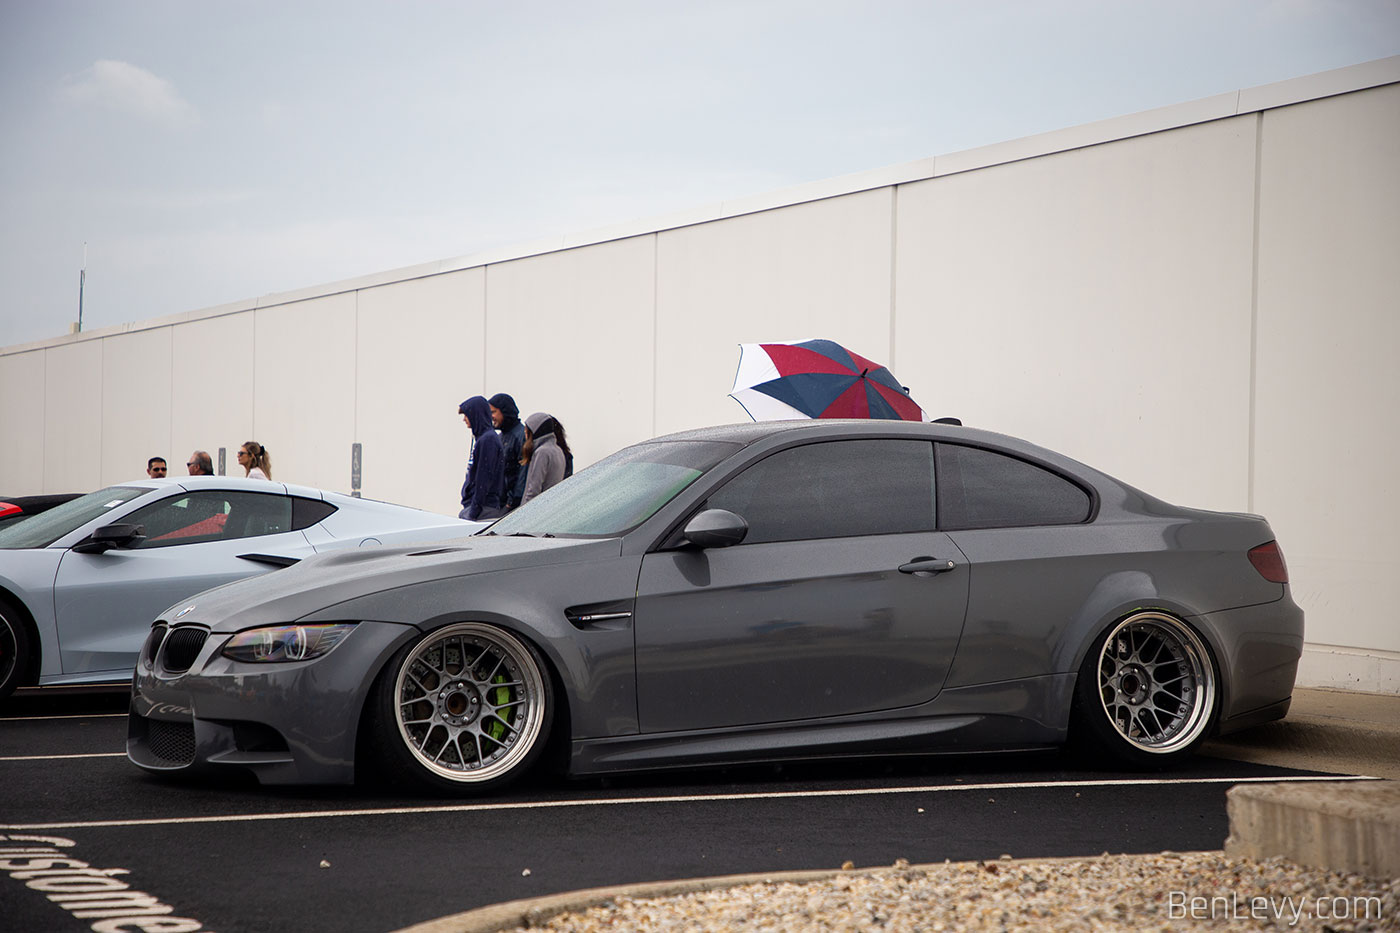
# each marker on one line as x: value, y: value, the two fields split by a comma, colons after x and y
x: 1268, y: 560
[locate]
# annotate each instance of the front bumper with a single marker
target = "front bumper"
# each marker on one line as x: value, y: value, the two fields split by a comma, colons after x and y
x: 286, y: 723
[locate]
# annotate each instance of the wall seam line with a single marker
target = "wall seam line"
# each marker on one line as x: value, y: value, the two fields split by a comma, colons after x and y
x: 655, y: 323
x: 894, y: 269
x: 1254, y: 316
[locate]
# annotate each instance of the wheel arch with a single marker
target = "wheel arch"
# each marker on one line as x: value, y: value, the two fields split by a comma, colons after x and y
x: 1076, y: 721
x: 558, y: 741
x: 1120, y: 595
x: 15, y: 608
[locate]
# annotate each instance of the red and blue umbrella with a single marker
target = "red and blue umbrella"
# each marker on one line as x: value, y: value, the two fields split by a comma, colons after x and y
x: 817, y: 379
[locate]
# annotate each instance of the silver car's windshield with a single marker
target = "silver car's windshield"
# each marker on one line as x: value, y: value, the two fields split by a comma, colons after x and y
x: 47, y: 527
x: 618, y: 493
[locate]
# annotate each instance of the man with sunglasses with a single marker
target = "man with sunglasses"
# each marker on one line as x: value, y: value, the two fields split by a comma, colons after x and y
x: 200, y: 464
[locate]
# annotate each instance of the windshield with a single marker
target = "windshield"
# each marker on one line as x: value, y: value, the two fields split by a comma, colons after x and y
x: 616, y: 494
x: 47, y: 527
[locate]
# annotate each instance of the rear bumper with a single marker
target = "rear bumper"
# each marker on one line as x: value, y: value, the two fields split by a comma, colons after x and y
x: 1257, y: 648
x: 1253, y: 717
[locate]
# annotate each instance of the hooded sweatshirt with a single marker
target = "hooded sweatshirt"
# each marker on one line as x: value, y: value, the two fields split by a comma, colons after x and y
x: 546, y: 459
x: 512, y: 439
x: 483, y: 494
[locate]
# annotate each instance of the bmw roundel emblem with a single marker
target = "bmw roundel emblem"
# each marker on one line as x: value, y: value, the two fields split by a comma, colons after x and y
x: 183, y: 612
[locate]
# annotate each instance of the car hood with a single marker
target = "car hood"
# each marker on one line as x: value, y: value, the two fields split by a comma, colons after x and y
x: 324, y: 580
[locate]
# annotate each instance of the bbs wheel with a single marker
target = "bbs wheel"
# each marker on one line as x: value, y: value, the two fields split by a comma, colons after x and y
x: 1147, y: 691
x: 464, y: 709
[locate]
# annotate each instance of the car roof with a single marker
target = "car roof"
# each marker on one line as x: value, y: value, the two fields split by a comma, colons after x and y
x: 780, y: 432
x: 746, y: 433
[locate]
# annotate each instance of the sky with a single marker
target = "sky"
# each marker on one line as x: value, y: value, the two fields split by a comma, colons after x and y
x: 199, y: 153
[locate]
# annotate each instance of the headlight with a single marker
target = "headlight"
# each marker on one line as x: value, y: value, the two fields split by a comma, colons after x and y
x: 286, y: 642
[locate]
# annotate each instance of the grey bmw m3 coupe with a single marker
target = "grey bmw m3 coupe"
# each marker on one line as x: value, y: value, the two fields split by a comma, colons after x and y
x: 745, y: 593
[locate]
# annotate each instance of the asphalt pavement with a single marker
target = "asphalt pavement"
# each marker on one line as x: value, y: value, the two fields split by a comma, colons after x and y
x: 234, y: 856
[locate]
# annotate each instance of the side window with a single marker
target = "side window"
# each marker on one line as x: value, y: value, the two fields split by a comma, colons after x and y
x: 984, y: 489
x: 834, y: 490
x: 307, y: 512
x: 213, y: 516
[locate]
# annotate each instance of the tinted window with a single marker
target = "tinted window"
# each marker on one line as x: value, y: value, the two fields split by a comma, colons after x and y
x: 307, y: 512
x: 983, y: 489
x: 212, y: 516
x: 834, y: 490
x: 47, y: 527
x: 618, y: 493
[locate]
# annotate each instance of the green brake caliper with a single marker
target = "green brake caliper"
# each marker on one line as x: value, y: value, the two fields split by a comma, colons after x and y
x: 500, y: 697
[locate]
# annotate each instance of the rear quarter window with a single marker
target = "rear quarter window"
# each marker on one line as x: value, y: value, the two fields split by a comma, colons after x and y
x: 980, y: 488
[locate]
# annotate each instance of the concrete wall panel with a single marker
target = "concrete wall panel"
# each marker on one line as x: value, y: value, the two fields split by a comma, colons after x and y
x: 211, y: 396
x: 73, y: 418
x: 135, y: 403
x: 22, y: 424
x: 571, y: 334
x: 421, y: 351
x: 1328, y: 433
x: 303, y: 390
x: 820, y: 269
x: 1095, y: 301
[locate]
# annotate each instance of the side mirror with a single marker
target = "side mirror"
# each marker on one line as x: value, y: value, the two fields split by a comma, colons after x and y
x: 111, y: 536
x: 715, y: 528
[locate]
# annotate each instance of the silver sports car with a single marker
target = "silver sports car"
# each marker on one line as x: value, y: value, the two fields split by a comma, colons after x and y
x: 80, y: 583
x: 742, y: 593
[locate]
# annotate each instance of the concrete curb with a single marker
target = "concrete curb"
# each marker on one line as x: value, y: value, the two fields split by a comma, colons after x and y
x: 536, y: 911
x: 1351, y: 826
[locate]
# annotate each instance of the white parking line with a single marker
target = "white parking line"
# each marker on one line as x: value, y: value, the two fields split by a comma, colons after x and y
x: 57, y: 757
x: 5, y: 719
x: 688, y: 798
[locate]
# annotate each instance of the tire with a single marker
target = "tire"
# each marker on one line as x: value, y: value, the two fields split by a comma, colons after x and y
x: 465, y: 709
x: 15, y: 656
x: 1147, y: 692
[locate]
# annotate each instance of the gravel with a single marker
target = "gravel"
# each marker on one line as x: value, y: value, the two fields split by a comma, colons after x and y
x: 1199, y: 891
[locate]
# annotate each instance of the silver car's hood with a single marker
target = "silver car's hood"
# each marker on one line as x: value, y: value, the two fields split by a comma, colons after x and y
x: 324, y: 580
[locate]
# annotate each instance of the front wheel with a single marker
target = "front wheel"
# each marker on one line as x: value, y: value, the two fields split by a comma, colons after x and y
x: 14, y: 650
x: 465, y: 709
x: 1147, y: 691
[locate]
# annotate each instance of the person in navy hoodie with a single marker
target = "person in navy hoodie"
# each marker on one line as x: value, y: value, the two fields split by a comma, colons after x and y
x: 484, y: 492
x: 506, y: 416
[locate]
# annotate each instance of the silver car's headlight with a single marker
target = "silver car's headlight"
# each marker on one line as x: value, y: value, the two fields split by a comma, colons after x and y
x: 286, y: 642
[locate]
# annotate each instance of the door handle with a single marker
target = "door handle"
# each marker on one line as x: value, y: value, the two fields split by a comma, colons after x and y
x: 927, y: 565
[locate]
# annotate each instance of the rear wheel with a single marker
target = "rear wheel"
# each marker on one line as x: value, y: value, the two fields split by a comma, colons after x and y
x: 465, y: 709
x: 1147, y: 692
x: 14, y: 649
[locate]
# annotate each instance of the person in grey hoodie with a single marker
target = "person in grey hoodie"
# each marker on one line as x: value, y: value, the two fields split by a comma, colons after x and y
x: 546, y: 459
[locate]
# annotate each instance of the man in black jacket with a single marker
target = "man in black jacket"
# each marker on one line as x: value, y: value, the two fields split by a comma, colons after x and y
x: 505, y: 415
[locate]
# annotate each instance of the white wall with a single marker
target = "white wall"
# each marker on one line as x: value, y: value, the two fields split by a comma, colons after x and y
x: 23, y: 423
x: 1328, y: 387
x: 572, y: 334
x: 420, y: 351
x: 1200, y: 300
x: 820, y: 269
x: 211, y: 401
x: 1096, y: 301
